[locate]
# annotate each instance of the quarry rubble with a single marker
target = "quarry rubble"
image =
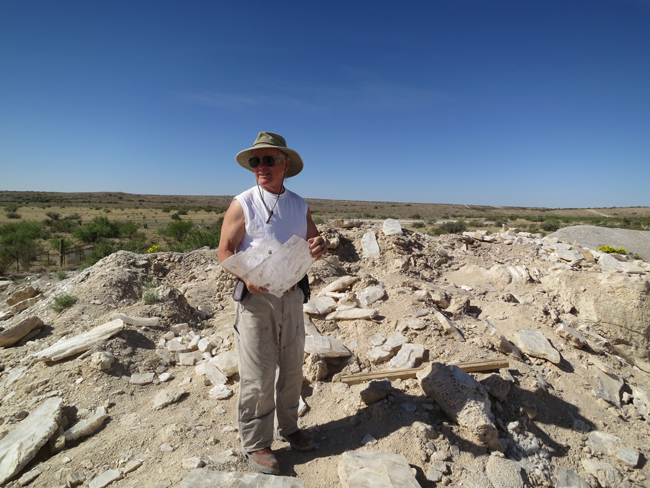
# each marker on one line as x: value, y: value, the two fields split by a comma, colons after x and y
x: 115, y: 391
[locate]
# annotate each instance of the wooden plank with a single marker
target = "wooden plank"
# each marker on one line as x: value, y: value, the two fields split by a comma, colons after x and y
x: 412, y: 372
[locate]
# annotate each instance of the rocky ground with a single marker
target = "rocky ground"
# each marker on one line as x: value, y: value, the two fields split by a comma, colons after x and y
x: 147, y: 399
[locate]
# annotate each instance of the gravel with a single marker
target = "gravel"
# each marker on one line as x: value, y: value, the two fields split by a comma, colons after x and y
x: 590, y: 236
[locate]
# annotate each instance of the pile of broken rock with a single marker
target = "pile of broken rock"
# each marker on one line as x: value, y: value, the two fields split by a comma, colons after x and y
x: 400, y: 330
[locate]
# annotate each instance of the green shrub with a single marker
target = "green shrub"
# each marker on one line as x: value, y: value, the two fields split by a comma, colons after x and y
x: 550, y: 225
x: 5, y: 261
x: 61, y: 275
x: 175, y: 216
x: 63, y: 301
x: 318, y: 220
x: 13, y: 215
x: 612, y: 250
x: 418, y: 225
x: 416, y: 216
x: 102, y: 249
x: 149, y: 292
x: 11, y: 207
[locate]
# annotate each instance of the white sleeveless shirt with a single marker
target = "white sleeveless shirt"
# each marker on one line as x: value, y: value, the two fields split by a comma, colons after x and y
x: 289, y: 217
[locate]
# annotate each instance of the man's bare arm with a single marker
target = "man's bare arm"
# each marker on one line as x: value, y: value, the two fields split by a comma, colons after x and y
x: 317, y: 245
x: 233, y: 230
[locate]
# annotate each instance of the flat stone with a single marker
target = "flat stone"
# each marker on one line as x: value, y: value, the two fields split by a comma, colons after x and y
x: 209, y: 370
x: 504, y: 473
x: 167, y: 397
x: 85, y: 427
x: 20, y: 306
x: 354, y: 314
x: 369, y: 245
x: 227, y: 362
x: 21, y: 295
x: 534, y: 343
x: 608, y: 262
x: 569, y: 254
x: 407, y: 356
x: 319, y: 306
x: 391, y: 227
x: 641, y: 400
x: 137, y: 321
x: 22, y: 443
x: 376, y: 469
x: 377, y: 339
x: 611, y: 385
x: 370, y: 295
x: 142, y: 379
x: 376, y: 390
x: 415, y: 324
x: 101, y: 360
x: 82, y: 342
x: 567, y: 478
x: 340, y: 284
x: 380, y: 354
x: 11, y: 335
x: 573, y: 337
x: 395, y: 341
x: 220, y: 392
x: 203, y: 478
x: 325, y: 346
x: 606, y: 474
x: 28, y: 477
x: 463, y: 399
x: 497, y: 387
x: 105, y: 479
x: 448, y: 327
x: 192, y: 463
x: 613, y: 446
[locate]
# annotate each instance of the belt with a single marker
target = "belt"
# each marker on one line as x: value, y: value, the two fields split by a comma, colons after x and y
x: 289, y: 290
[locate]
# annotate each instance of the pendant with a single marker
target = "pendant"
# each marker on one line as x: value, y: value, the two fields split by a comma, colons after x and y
x: 270, y: 215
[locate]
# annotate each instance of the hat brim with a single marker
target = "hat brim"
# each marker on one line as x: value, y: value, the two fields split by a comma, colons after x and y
x: 295, y: 161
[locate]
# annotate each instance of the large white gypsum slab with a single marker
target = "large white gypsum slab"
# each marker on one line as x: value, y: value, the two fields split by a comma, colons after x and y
x: 276, y: 267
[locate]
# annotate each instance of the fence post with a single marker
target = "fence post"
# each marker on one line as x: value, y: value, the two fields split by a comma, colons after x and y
x: 61, y: 250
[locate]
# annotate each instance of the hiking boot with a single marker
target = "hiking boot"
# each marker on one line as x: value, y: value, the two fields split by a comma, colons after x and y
x: 263, y: 461
x: 299, y: 440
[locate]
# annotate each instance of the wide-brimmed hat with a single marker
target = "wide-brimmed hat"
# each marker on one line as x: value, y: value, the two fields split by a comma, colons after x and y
x: 276, y: 141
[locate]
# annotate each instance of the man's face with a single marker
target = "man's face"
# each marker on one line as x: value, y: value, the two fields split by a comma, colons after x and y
x: 270, y: 177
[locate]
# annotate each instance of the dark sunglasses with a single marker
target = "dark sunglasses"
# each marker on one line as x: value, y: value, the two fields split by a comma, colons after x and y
x: 269, y: 161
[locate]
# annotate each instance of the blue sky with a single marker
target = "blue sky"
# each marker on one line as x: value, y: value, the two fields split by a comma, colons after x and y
x: 516, y: 103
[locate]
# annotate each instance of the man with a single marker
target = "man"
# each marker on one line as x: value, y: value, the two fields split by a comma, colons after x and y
x: 269, y: 330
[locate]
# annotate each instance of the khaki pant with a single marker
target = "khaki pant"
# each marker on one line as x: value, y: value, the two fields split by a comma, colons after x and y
x: 270, y: 339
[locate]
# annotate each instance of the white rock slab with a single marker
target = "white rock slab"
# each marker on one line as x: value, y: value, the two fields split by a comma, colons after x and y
x: 22, y: 443
x: 15, y: 333
x: 534, y: 343
x: 370, y: 295
x: 567, y: 478
x: 319, y: 306
x: 569, y: 255
x: 407, y: 356
x: 369, y: 245
x: 380, y: 354
x: 391, y: 227
x: 613, y: 446
x: 137, y: 321
x: 203, y: 478
x: 608, y: 262
x: 355, y: 313
x: 340, y: 284
x: 642, y: 401
x: 325, y: 346
x: 85, y: 427
x: 82, y: 342
x: 167, y: 397
x: 213, y: 374
x: 105, y: 479
x: 610, y: 385
x: 376, y: 469
x: 271, y: 265
x: 448, y: 327
x: 227, y: 362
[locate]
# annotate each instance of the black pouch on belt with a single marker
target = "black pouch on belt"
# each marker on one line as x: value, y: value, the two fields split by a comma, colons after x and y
x: 240, y: 291
x: 304, y: 286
